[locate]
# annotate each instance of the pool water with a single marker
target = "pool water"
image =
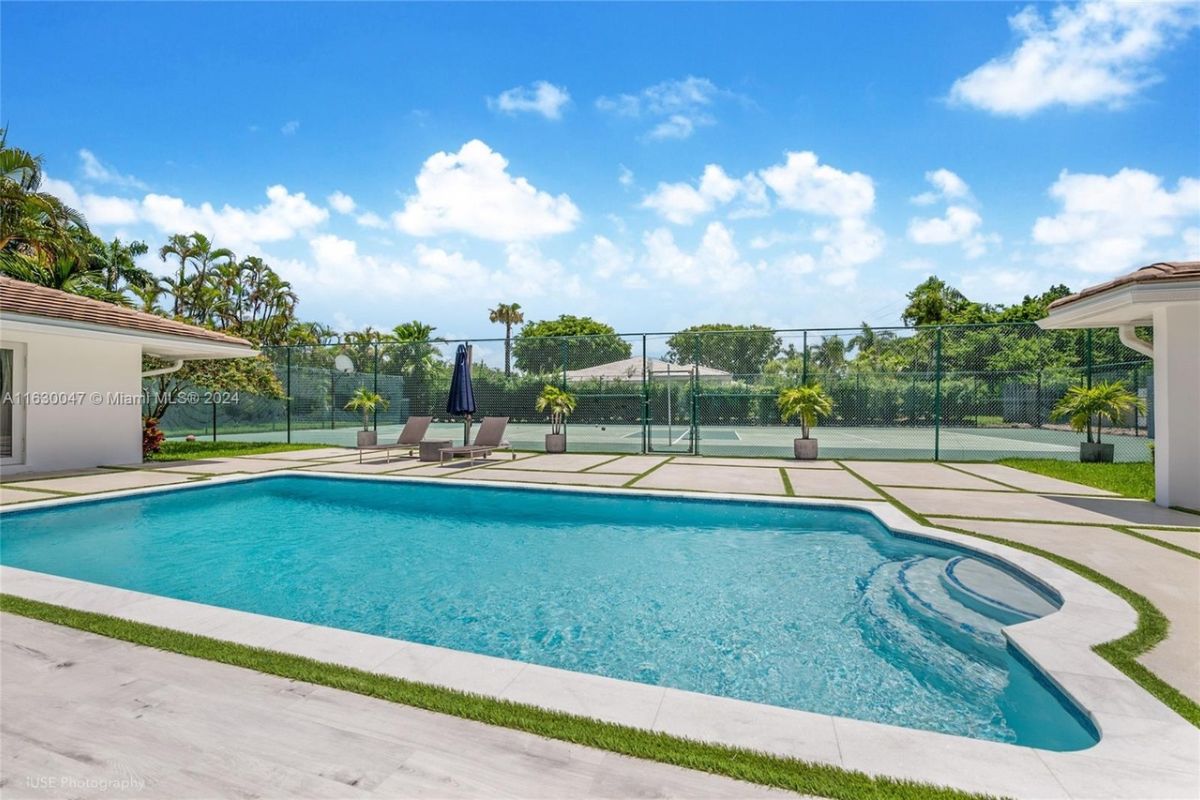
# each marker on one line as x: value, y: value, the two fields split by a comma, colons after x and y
x: 819, y: 609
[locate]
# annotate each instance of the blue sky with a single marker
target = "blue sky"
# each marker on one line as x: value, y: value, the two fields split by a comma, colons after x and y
x: 654, y: 166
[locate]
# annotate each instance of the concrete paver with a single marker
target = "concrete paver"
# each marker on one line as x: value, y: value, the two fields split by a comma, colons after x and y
x: 1188, y: 539
x: 172, y: 726
x: 544, y: 476
x: 558, y: 462
x: 226, y: 466
x: 903, y: 473
x: 1030, y: 481
x: 1028, y: 506
x: 828, y: 483
x: 109, y: 481
x: 752, y: 480
x: 10, y: 494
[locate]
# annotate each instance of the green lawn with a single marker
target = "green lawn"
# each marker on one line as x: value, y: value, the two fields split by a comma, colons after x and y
x: 1132, y: 479
x: 173, y: 451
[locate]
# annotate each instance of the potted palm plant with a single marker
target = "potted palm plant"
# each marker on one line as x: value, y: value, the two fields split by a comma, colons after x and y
x: 807, y: 403
x: 559, y: 403
x: 366, y: 401
x: 1107, y: 400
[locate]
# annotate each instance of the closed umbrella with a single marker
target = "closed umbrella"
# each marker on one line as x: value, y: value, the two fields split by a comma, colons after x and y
x: 462, y: 398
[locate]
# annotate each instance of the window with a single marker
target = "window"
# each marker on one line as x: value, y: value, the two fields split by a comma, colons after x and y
x: 7, y: 362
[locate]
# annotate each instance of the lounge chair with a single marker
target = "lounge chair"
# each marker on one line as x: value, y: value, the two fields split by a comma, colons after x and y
x: 410, y: 437
x: 489, y: 438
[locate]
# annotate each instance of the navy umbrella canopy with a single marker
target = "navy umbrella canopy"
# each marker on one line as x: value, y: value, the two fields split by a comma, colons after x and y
x: 462, y: 397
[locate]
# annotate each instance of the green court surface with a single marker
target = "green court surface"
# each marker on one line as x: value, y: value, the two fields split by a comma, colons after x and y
x: 952, y: 444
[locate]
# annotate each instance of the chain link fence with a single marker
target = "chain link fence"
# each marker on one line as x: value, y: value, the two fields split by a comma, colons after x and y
x: 952, y: 392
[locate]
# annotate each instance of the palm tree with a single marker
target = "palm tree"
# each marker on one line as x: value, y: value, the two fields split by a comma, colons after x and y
x: 1109, y: 400
x: 182, y: 248
x: 117, y: 262
x: 412, y: 350
x: 830, y: 354
x: 34, y: 225
x: 509, y: 314
x: 805, y: 402
x: 148, y: 297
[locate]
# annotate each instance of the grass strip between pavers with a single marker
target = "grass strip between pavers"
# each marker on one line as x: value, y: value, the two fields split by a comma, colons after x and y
x: 1152, y: 624
x: 767, y: 770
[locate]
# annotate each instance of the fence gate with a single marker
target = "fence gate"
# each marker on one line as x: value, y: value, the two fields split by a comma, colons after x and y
x: 671, y: 409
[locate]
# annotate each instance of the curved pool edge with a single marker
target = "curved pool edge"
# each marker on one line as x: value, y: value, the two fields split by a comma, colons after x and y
x: 1143, y: 743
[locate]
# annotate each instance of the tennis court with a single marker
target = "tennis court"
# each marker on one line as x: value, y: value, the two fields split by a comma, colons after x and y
x: 915, y: 443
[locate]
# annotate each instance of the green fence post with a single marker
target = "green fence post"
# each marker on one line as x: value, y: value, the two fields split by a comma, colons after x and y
x: 375, y: 411
x: 937, y: 396
x: 695, y: 398
x: 1135, y: 394
x: 289, y: 395
x: 1088, y: 357
x: 645, y: 401
x: 804, y: 360
x: 214, y: 407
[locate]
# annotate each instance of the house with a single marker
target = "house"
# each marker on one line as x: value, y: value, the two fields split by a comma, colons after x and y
x: 71, y: 376
x: 1165, y: 297
x: 631, y: 369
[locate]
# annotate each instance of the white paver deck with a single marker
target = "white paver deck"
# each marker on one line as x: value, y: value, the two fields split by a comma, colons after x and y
x: 155, y: 724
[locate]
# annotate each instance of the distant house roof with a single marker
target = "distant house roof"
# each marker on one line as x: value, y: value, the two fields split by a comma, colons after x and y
x: 32, y: 301
x: 628, y: 369
x: 1164, y: 271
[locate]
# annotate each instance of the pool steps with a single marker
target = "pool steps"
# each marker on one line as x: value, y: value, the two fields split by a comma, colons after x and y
x: 945, y: 618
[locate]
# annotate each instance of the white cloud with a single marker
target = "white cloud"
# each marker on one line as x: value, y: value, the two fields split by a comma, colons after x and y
x: 946, y: 186
x: 97, y: 172
x: 960, y: 224
x: 773, y: 238
x: 682, y: 203
x: 101, y: 210
x: 849, y: 243
x: 793, y: 265
x: 540, y: 97
x: 1191, y: 244
x: 1002, y: 285
x: 282, y: 217
x: 625, y: 176
x: 1095, y: 53
x: 341, y: 202
x: 370, y: 219
x: 290, y: 127
x: 679, y: 106
x: 471, y: 192
x: 918, y: 264
x: 716, y: 264
x: 608, y: 260
x: 804, y: 184
x: 1114, y: 222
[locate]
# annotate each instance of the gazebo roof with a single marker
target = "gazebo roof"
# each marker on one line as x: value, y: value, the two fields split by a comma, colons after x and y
x: 1128, y: 299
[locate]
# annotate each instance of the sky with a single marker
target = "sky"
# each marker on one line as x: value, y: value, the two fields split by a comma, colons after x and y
x: 651, y: 165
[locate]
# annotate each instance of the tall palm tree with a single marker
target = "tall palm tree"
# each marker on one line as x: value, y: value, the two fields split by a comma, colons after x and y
x: 830, y: 354
x: 184, y: 250
x: 509, y: 314
x: 117, y: 261
x: 412, y: 352
x: 868, y: 342
x: 148, y: 295
x: 34, y: 225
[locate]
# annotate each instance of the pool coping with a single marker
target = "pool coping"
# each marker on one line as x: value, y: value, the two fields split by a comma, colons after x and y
x: 1145, y: 748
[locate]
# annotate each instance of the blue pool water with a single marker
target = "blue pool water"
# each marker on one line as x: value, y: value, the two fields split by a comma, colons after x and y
x: 820, y: 609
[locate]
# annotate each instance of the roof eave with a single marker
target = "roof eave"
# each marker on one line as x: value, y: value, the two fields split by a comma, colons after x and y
x: 1132, y: 303
x: 157, y: 345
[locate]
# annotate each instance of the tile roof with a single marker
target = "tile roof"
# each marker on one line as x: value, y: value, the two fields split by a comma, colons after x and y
x: 1154, y: 273
x: 19, y: 297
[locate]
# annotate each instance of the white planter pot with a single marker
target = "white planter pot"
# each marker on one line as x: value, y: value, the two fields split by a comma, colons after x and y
x: 367, y: 438
x: 556, y: 443
x: 806, y: 449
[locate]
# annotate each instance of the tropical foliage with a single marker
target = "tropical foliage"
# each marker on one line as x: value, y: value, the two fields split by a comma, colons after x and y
x: 507, y: 314
x: 365, y: 402
x: 740, y: 349
x: 806, y: 403
x: 559, y: 403
x: 540, y: 348
x: 1106, y: 400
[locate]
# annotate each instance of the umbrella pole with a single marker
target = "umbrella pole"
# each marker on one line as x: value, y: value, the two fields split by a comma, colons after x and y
x: 467, y: 430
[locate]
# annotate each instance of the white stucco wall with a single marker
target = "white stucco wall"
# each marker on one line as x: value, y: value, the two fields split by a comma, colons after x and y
x: 70, y: 435
x: 1177, y: 405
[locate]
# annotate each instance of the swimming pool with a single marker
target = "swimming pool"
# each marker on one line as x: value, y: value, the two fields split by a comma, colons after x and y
x: 819, y: 609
